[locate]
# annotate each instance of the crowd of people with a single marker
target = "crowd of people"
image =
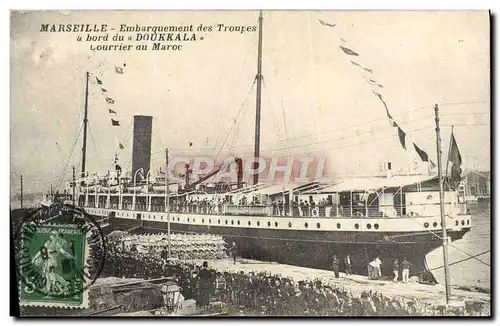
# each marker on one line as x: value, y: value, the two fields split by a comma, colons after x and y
x: 258, y: 293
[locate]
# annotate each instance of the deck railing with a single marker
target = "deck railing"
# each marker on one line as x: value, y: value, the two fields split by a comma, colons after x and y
x: 320, y: 211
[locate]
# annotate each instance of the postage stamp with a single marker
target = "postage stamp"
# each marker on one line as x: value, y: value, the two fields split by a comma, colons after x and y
x: 62, y: 252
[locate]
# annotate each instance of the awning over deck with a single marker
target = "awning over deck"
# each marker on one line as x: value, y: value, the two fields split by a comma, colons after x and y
x: 366, y: 184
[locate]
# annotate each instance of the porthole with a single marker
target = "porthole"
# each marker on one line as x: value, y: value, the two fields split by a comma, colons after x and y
x: 218, y: 221
x: 375, y: 226
x: 268, y: 223
x: 306, y: 225
x: 276, y: 224
x: 232, y: 222
x: 318, y: 225
x: 238, y: 222
x: 441, y: 224
x: 194, y: 220
x: 178, y: 219
x: 338, y: 225
x: 188, y: 219
x: 289, y: 224
x: 210, y: 221
x: 468, y: 222
x: 249, y: 223
x: 456, y: 223
x: 226, y: 222
x: 356, y: 226
x: 463, y: 222
x: 202, y: 220
x: 258, y: 223
x: 434, y: 224
x: 426, y: 225
x: 161, y: 217
x: 369, y: 226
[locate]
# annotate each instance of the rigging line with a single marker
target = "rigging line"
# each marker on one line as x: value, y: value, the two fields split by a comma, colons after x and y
x: 465, y: 113
x: 234, y: 93
x: 275, y: 121
x: 93, y: 142
x: 466, y: 125
x: 290, y: 152
x: 235, y: 120
x: 346, y: 136
x: 459, y: 261
x: 347, y: 145
x: 451, y: 244
x: 461, y: 103
x: 69, y: 157
x: 359, y: 143
x: 319, y: 142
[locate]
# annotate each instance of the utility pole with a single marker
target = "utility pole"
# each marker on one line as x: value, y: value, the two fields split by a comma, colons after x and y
x: 74, y: 185
x: 85, y: 122
x: 22, y: 191
x: 441, y: 202
x: 167, y: 200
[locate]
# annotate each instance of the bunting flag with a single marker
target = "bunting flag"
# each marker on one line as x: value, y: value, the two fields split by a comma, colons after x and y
x: 119, y: 70
x: 423, y: 155
x: 433, y: 165
x: 402, y: 137
x: 109, y: 100
x: 373, y: 82
x: 103, y: 90
x: 391, y: 119
x: 98, y: 81
x: 326, y: 24
x: 115, y: 122
x: 348, y: 51
x: 121, y: 146
x: 111, y: 111
x: 343, y: 40
x: 365, y: 69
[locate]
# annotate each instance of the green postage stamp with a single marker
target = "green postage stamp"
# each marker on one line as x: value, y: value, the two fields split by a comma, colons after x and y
x: 61, y: 252
x: 53, y: 267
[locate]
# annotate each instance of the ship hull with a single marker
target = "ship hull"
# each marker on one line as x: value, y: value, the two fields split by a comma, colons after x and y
x: 313, y: 248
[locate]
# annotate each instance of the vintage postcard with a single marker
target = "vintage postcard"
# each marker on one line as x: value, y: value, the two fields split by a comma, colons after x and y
x: 250, y: 163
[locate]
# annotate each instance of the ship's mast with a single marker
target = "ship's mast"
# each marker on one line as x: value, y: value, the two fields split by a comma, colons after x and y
x: 85, y: 121
x: 259, y: 91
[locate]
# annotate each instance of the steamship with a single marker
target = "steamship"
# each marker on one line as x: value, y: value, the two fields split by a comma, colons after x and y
x: 390, y: 216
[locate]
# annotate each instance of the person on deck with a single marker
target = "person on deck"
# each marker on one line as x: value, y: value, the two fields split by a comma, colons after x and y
x: 336, y: 266
x: 405, y: 265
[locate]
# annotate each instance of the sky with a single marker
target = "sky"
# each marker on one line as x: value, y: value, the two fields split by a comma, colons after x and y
x: 314, y: 101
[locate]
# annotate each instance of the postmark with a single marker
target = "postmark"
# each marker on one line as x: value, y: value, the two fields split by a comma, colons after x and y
x: 61, y: 252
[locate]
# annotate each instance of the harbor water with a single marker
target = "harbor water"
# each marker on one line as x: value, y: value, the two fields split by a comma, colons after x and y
x: 469, y: 272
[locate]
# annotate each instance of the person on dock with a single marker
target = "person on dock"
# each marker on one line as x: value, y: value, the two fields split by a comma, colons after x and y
x: 378, y: 264
x: 234, y: 252
x: 205, y: 283
x: 406, y: 270
x: 395, y: 269
x: 336, y: 266
x: 347, y: 264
